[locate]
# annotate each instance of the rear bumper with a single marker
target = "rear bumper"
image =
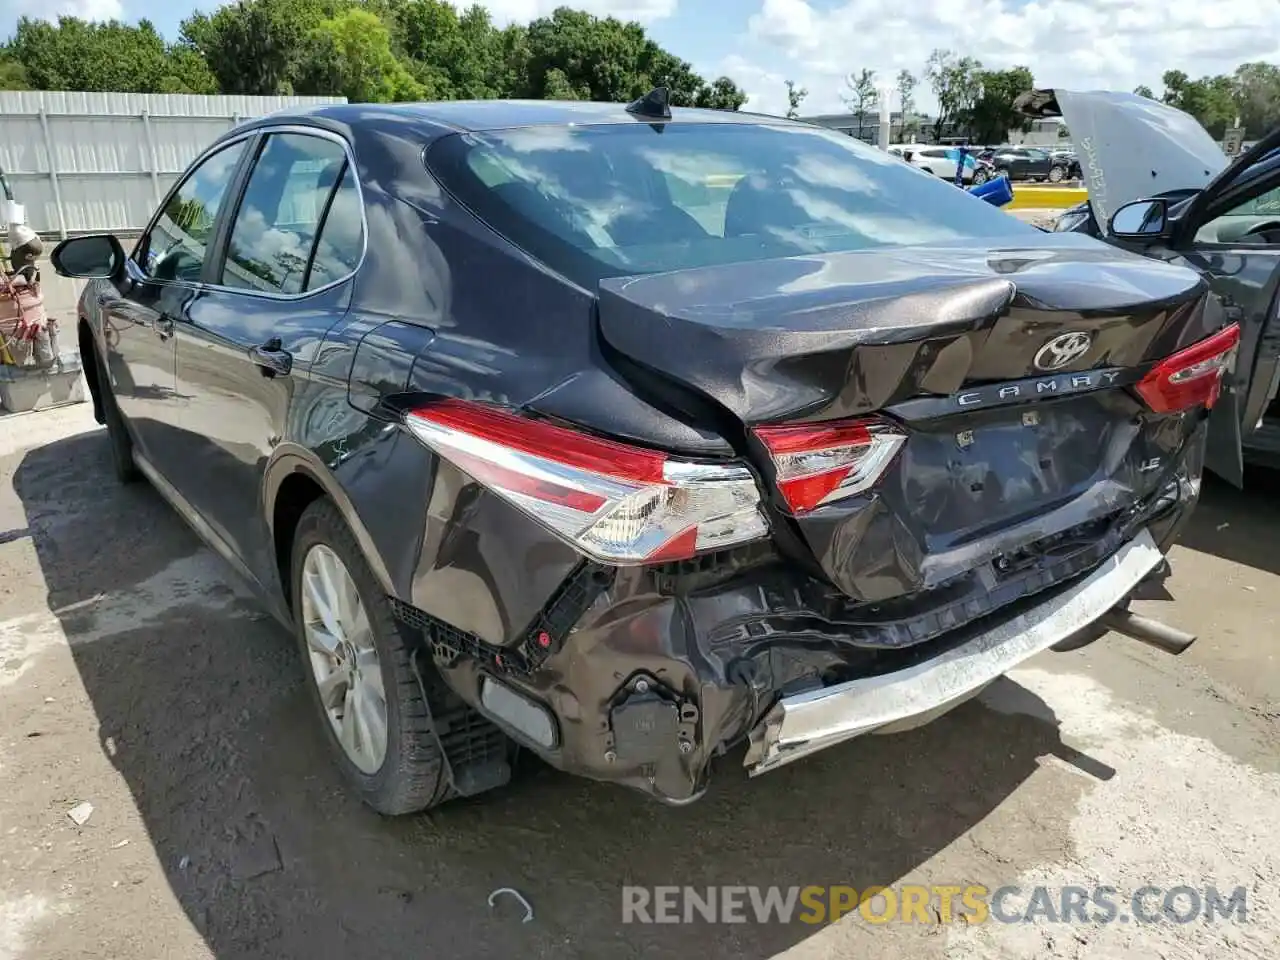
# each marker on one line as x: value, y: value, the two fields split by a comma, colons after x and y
x: 802, y: 724
x: 642, y: 676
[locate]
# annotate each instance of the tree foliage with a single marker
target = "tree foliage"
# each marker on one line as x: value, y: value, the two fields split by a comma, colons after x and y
x: 956, y: 83
x: 795, y: 97
x: 350, y: 54
x: 860, y: 94
x: 905, y: 84
x: 75, y: 55
x: 367, y: 50
x: 1211, y: 100
x: 992, y: 116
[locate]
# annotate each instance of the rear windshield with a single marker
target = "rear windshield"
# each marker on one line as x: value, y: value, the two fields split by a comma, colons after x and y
x: 616, y: 200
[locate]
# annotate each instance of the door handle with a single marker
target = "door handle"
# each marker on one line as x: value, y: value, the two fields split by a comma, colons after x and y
x: 164, y: 326
x: 272, y: 358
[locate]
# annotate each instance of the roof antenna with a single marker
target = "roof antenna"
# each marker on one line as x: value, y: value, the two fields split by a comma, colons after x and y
x: 653, y: 104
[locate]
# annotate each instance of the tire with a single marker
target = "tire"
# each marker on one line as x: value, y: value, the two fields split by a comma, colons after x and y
x: 979, y: 177
x: 412, y: 775
x: 1004, y: 172
x: 1057, y: 174
x: 122, y: 463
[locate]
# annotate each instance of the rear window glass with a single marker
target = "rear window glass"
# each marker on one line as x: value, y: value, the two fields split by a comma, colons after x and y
x: 617, y: 200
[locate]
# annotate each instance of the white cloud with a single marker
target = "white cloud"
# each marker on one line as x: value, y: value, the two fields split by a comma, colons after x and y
x: 13, y: 10
x: 1081, y: 44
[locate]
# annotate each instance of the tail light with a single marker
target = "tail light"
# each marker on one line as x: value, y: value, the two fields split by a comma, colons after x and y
x: 617, y: 503
x: 818, y: 463
x: 1191, y: 377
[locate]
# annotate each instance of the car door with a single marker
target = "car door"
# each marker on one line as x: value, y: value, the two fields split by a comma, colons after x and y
x: 162, y: 279
x: 1038, y: 163
x: 280, y: 281
x: 1013, y: 162
x: 1235, y: 242
x: 935, y: 161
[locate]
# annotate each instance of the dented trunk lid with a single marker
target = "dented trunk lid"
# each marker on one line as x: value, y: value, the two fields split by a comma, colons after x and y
x: 1008, y: 370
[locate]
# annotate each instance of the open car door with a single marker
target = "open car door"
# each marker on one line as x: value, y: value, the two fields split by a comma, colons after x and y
x: 1230, y: 232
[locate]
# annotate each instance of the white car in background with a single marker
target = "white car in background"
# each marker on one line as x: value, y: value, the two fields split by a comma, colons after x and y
x: 941, y: 161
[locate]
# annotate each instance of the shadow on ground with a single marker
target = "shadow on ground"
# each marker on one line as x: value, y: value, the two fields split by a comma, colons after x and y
x: 1228, y: 523
x: 201, y: 709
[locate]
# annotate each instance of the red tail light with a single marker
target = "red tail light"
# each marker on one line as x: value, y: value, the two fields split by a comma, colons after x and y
x: 614, y: 502
x: 1191, y: 377
x: 819, y: 463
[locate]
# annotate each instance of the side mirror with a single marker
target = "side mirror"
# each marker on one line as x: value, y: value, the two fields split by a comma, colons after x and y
x: 96, y: 257
x: 1140, y: 220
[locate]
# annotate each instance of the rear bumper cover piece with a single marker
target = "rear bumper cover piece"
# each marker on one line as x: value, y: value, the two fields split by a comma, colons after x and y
x: 803, y: 724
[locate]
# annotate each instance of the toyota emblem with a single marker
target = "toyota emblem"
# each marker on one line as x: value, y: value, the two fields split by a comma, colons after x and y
x: 1063, y: 349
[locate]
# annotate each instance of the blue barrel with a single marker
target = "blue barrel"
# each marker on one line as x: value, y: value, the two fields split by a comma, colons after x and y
x: 996, y: 191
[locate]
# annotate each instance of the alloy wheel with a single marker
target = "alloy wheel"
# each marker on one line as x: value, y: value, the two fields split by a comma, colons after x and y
x: 343, y: 658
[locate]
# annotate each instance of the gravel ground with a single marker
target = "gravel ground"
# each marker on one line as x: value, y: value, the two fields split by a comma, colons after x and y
x: 136, y: 676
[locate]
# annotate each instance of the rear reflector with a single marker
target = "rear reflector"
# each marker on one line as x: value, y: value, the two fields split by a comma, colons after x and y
x: 614, y: 502
x: 819, y: 463
x: 1191, y: 377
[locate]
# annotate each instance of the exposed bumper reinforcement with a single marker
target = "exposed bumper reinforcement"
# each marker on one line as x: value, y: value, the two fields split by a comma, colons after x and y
x: 803, y: 724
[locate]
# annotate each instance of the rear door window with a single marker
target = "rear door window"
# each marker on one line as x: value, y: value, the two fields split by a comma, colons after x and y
x: 340, y: 244
x: 273, y: 236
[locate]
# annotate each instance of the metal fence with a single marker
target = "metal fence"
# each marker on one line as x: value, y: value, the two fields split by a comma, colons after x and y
x: 85, y: 162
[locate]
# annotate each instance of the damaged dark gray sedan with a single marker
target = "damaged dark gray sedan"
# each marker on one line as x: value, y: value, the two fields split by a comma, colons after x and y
x: 634, y: 436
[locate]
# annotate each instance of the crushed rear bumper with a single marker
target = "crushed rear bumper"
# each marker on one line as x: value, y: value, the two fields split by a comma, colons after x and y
x: 802, y: 724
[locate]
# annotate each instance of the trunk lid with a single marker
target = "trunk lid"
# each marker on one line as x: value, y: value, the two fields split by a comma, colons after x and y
x: 1130, y: 147
x: 1006, y: 370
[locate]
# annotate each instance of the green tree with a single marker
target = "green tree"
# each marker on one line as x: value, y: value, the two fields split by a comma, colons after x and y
x: 13, y: 76
x: 350, y: 55
x: 452, y: 55
x: 75, y: 55
x: 1211, y: 100
x: 992, y: 115
x: 602, y: 58
x: 721, y: 94
x: 795, y: 97
x: 366, y: 49
x: 906, y: 84
x: 256, y: 47
x: 1257, y: 97
x: 1143, y: 90
x: 558, y: 87
x: 860, y: 95
x: 955, y: 82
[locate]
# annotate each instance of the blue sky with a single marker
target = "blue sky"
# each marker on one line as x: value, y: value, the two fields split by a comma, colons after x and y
x: 1084, y: 44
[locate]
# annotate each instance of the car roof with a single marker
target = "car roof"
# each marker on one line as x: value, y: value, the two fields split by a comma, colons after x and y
x: 479, y: 115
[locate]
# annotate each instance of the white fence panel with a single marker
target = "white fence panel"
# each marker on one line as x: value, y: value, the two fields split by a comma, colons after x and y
x: 84, y: 162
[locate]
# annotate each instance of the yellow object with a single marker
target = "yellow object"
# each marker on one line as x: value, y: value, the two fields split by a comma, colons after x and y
x: 1046, y: 198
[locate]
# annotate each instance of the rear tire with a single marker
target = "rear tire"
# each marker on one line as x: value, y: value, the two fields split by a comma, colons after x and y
x: 1003, y: 172
x: 411, y: 775
x: 1057, y: 174
x: 122, y: 463
x: 979, y: 177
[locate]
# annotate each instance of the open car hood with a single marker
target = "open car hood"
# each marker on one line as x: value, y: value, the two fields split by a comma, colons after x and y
x: 1130, y: 147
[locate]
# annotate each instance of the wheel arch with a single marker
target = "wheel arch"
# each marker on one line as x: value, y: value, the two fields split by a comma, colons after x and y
x: 294, y: 479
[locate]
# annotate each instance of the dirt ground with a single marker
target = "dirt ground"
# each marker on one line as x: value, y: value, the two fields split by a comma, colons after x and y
x: 136, y: 676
